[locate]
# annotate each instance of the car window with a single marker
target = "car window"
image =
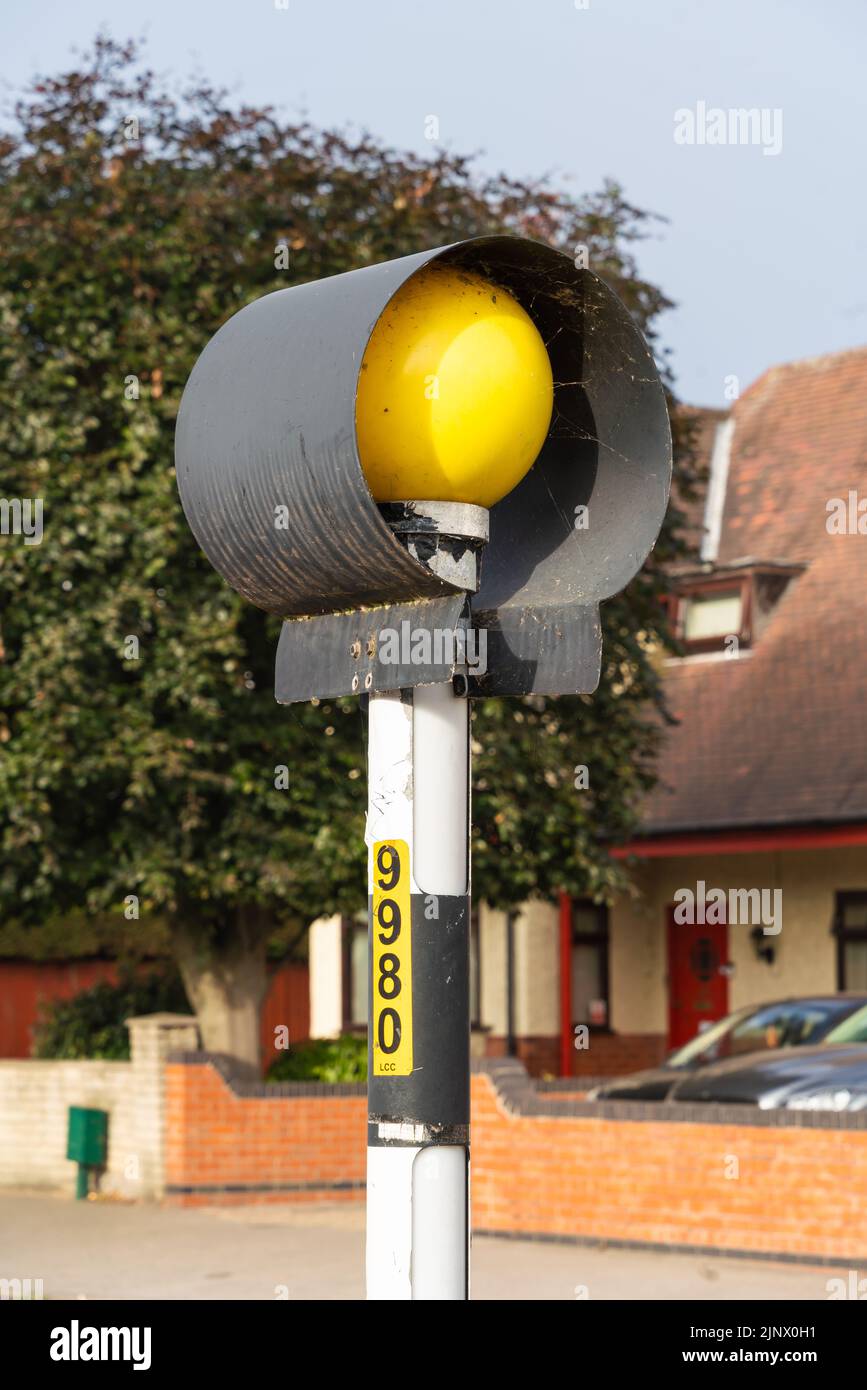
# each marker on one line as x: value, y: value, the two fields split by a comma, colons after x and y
x: 792, y: 1023
x: 780, y: 1025
x: 852, y: 1029
x: 704, y: 1047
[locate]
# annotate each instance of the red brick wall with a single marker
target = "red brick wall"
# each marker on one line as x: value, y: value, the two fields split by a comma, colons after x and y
x: 540, y: 1055
x: 609, y: 1054
x: 307, y: 1149
x: 616, y: 1054
x: 801, y: 1189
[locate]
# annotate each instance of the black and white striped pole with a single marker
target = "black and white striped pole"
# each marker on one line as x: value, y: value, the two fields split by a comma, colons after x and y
x: 419, y: 1091
x: 418, y: 840
x: 433, y: 469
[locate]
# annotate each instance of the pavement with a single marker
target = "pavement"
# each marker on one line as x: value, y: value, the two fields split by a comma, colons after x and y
x: 110, y: 1249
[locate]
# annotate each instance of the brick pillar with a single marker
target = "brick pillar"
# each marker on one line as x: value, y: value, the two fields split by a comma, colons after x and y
x: 152, y: 1037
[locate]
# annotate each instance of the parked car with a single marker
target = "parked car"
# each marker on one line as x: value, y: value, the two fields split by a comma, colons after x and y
x: 786, y: 1025
x: 832, y: 1076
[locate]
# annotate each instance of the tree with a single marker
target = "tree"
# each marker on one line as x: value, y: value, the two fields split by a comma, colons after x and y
x: 146, y: 770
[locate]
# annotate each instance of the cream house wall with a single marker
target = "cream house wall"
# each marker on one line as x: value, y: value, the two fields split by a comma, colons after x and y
x: 636, y: 960
x: 492, y: 970
x: 536, y: 970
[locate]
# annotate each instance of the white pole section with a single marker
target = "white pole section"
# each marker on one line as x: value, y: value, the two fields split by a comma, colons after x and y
x: 441, y: 779
x: 440, y: 1223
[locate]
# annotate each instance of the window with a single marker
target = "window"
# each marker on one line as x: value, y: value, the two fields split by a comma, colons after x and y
x: 850, y: 929
x: 709, y: 611
x: 779, y: 1025
x: 589, y: 964
x: 712, y: 607
x: 794, y: 1023
x: 852, y: 1029
x: 354, y: 974
x: 712, y: 615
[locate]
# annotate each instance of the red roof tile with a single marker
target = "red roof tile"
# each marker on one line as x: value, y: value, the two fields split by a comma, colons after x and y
x: 779, y: 735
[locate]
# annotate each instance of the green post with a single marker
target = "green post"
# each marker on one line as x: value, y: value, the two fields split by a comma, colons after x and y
x: 86, y: 1144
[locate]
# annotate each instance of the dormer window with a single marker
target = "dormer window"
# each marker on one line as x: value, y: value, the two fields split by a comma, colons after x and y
x: 726, y: 610
x: 712, y: 615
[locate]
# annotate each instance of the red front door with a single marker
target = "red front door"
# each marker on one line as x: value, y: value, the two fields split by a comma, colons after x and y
x: 698, y: 987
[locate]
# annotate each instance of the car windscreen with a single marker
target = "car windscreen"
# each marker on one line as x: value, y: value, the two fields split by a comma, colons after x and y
x: 792, y: 1023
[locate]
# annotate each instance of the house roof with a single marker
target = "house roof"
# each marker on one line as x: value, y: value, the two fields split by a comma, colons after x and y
x: 778, y: 735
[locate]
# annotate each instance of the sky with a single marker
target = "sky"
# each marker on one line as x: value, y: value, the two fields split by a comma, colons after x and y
x: 765, y: 238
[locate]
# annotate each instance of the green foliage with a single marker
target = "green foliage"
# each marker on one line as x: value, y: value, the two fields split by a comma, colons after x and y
x: 324, y: 1059
x: 93, y: 1023
x: 155, y: 776
x: 78, y: 935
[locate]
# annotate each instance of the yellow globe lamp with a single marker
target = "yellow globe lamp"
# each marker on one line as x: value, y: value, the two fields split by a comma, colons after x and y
x: 455, y: 392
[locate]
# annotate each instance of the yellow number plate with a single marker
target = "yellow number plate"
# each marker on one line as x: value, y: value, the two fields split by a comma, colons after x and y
x: 392, y: 960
